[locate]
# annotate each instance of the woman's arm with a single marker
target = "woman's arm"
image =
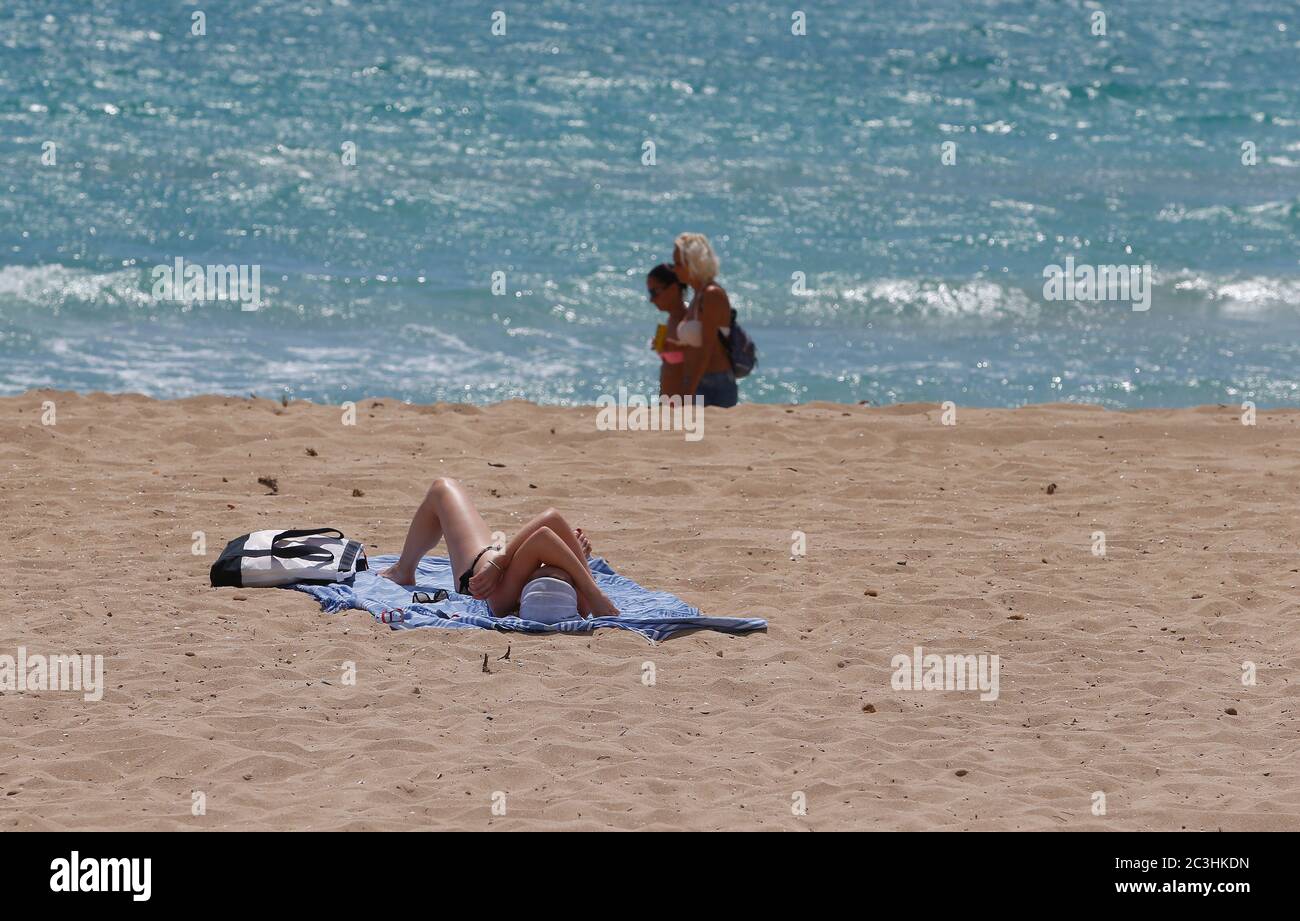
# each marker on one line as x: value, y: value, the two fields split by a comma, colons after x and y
x: 545, y: 546
x: 498, y: 561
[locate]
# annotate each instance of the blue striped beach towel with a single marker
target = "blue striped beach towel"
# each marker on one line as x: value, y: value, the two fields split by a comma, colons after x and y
x: 654, y: 615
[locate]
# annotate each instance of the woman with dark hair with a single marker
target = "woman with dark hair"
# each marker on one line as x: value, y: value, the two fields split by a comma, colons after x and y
x: 668, y: 294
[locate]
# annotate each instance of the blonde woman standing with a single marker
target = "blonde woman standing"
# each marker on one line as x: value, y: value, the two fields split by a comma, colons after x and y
x: 708, y: 367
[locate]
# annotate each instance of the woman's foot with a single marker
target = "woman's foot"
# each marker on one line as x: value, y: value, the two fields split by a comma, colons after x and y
x: 599, y: 606
x: 583, y: 542
x: 399, y: 575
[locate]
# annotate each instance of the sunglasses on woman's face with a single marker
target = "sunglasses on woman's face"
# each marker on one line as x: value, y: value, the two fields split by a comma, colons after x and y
x: 654, y: 292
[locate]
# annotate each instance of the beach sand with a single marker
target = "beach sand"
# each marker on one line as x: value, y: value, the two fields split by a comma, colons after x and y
x: 1117, y: 673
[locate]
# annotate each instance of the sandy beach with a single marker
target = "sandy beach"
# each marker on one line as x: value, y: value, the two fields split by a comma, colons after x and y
x: 1120, y: 674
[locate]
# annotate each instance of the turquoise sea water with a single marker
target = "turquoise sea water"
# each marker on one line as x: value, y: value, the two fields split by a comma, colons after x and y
x: 817, y: 154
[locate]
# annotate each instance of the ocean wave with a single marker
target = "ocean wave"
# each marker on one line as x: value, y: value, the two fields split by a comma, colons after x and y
x: 54, y: 286
x: 538, y: 308
x: 1277, y: 216
x: 975, y: 299
x: 1241, y: 296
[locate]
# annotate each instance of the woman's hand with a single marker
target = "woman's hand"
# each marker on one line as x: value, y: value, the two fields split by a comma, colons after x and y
x: 485, y: 580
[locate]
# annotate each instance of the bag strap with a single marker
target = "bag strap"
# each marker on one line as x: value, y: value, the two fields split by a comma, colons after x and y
x: 305, y: 532
x: 351, y: 550
x: 725, y: 338
x: 315, y: 554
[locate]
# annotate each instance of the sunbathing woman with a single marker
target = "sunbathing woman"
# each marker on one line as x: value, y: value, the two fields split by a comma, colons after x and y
x: 545, y: 549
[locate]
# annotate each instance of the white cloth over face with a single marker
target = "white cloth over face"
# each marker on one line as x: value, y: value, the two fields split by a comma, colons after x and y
x: 548, y: 601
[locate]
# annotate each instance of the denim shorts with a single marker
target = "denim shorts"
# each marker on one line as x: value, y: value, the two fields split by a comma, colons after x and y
x: 719, y: 389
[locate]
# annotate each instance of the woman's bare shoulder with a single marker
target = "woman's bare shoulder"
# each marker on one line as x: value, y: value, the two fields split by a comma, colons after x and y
x: 714, y: 294
x: 715, y: 302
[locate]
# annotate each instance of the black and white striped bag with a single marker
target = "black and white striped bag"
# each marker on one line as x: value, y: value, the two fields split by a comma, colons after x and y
x: 266, y: 558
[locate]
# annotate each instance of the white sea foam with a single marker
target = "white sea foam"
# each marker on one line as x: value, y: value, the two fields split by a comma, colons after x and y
x: 1243, y: 296
x: 978, y: 298
x: 56, y: 285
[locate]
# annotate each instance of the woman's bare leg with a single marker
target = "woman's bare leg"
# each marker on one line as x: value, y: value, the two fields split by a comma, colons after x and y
x: 446, y: 512
x: 545, y: 546
x: 670, y: 379
x: 555, y: 521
